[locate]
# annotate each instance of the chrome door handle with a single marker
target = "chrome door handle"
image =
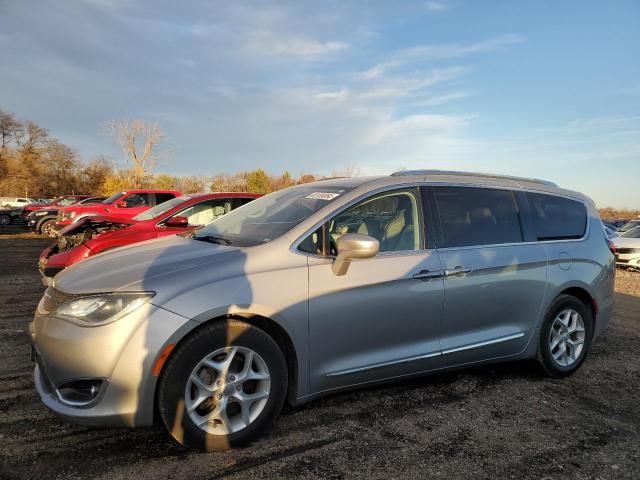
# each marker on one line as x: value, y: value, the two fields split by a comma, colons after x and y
x: 428, y: 274
x: 457, y: 271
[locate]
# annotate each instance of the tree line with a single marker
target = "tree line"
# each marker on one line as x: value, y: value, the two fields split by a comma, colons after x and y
x: 33, y: 163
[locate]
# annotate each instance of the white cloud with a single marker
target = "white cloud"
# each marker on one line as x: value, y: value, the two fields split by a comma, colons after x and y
x: 403, y: 86
x: 269, y: 43
x: 441, y: 52
x: 417, y: 126
x: 435, y: 7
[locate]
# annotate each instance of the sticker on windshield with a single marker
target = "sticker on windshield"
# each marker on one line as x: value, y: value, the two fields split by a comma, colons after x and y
x: 322, y: 196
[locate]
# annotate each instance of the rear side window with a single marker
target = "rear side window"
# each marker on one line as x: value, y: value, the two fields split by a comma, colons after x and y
x: 163, y: 197
x: 238, y: 201
x: 557, y: 218
x: 477, y: 216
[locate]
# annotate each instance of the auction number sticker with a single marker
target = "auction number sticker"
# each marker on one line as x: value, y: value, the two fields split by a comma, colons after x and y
x: 322, y: 196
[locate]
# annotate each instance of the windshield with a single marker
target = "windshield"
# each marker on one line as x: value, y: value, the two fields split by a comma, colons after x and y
x: 629, y: 225
x: 113, y: 198
x: 632, y: 233
x: 160, y: 209
x: 269, y: 217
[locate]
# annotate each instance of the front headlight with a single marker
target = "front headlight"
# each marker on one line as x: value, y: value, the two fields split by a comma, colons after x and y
x: 100, y: 309
x: 71, y: 214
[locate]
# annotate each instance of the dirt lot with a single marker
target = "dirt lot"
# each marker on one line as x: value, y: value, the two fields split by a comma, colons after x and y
x: 504, y: 421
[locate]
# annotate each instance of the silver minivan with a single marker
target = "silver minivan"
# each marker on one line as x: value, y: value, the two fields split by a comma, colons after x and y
x: 321, y: 287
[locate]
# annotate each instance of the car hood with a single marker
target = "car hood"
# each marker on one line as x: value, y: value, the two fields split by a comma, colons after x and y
x: 626, y: 242
x: 83, y: 223
x: 138, y: 267
x: 89, y: 207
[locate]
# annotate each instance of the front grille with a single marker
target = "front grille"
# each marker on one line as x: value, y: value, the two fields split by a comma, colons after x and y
x: 628, y: 250
x: 52, y: 299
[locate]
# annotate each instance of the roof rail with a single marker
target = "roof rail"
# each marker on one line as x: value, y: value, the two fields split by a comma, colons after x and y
x: 471, y: 174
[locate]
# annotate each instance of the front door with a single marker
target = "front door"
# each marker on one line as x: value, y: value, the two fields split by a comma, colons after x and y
x: 494, y: 283
x: 377, y: 321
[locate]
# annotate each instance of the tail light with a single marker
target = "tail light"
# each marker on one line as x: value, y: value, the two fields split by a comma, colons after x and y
x: 611, y: 246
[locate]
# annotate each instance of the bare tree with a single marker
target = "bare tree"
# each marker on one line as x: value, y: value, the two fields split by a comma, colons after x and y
x: 350, y: 170
x: 9, y: 128
x: 31, y: 136
x: 139, y: 142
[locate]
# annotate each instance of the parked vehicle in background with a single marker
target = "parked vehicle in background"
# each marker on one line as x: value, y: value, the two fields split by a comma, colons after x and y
x: 9, y: 215
x: 92, y: 235
x: 58, y: 202
x: 628, y: 248
x: 15, y: 202
x: 615, y: 223
x: 126, y: 204
x: 629, y: 225
x: 43, y: 221
x: 323, y: 287
x: 611, y: 233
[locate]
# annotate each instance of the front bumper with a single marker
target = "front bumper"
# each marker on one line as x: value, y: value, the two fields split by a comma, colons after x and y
x: 121, y: 353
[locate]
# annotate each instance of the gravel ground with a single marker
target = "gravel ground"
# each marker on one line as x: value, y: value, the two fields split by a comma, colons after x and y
x: 505, y: 421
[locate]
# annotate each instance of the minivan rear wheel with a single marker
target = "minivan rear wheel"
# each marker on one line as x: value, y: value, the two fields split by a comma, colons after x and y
x: 565, y: 336
x: 222, y: 386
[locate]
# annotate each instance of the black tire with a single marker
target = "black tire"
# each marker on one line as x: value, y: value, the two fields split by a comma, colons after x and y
x: 5, y: 219
x: 47, y: 228
x: 205, y: 340
x: 549, y: 365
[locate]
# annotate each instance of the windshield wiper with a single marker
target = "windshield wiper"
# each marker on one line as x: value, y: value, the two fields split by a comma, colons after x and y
x: 213, y: 239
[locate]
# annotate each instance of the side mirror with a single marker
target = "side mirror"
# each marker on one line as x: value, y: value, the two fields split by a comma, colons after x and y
x: 121, y: 204
x: 177, y: 221
x: 351, y: 246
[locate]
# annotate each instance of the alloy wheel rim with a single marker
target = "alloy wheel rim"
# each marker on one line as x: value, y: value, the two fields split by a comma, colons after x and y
x: 227, y: 390
x: 566, y: 338
x: 48, y: 229
x: 4, y: 220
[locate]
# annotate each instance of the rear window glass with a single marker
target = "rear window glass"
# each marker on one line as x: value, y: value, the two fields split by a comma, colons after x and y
x: 557, y: 218
x: 477, y: 216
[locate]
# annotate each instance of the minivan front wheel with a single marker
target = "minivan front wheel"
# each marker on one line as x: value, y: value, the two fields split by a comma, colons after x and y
x: 565, y: 336
x: 222, y: 386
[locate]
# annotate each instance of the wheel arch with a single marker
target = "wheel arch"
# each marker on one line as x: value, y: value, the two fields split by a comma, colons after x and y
x: 42, y: 222
x: 269, y: 326
x: 584, y: 296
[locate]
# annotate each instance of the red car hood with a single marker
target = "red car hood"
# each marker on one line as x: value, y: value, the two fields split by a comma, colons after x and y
x: 99, y: 219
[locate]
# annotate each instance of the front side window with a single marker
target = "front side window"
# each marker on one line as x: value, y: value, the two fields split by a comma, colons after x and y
x: 393, y: 218
x: 137, y: 200
x: 204, y: 213
x: 557, y: 218
x: 477, y: 216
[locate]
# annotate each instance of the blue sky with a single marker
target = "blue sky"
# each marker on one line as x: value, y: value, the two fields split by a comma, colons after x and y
x: 543, y: 89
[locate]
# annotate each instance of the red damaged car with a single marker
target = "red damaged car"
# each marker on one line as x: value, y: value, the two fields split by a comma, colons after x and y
x: 96, y: 234
x: 125, y: 204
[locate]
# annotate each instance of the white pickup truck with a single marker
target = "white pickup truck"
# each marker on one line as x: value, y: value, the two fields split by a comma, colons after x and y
x: 15, y: 202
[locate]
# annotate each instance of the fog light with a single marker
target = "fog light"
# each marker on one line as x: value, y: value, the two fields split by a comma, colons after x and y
x: 80, y: 392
